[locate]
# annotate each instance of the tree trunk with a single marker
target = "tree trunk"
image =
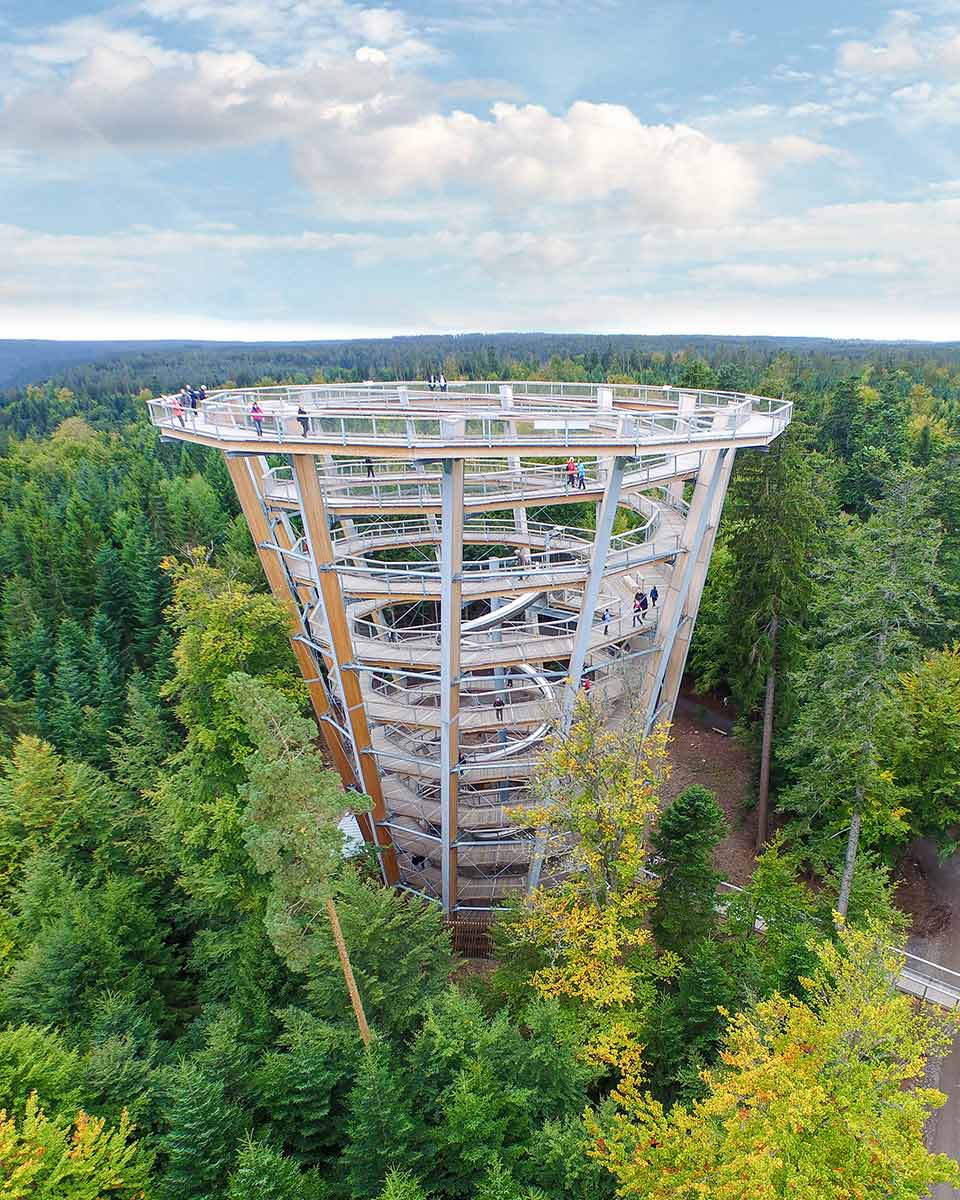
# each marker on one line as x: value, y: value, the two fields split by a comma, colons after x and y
x: 348, y: 973
x: 853, y: 839
x: 766, y: 745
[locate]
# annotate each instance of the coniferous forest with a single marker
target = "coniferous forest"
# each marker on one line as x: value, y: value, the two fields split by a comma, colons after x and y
x: 174, y: 1022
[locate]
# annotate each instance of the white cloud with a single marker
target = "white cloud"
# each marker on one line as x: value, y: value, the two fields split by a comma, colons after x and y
x: 593, y: 153
x: 371, y: 54
x: 895, y: 56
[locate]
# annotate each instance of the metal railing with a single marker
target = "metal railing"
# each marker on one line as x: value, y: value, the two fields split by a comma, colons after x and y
x: 231, y: 420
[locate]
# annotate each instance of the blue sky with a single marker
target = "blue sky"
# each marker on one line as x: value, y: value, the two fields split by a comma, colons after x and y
x: 325, y: 168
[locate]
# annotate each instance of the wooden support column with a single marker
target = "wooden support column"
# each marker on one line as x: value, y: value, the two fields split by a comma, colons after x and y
x: 315, y: 527
x: 681, y: 645
x: 686, y: 581
x: 251, y: 502
x: 451, y: 562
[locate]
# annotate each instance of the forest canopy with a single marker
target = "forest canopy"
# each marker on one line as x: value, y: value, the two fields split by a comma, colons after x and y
x: 175, y: 1023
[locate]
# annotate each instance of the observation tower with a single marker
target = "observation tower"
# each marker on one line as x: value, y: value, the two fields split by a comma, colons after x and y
x: 451, y: 591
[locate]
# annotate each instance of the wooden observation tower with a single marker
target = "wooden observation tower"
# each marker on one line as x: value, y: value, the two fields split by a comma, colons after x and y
x: 444, y: 618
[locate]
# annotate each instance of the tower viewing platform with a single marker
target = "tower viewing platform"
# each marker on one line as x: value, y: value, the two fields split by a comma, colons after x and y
x: 459, y: 564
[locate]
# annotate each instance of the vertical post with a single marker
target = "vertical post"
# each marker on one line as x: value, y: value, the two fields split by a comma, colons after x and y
x: 315, y: 527
x: 513, y: 465
x: 251, y: 503
x: 686, y: 407
x: 707, y: 498
x: 451, y: 562
x: 591, y: 593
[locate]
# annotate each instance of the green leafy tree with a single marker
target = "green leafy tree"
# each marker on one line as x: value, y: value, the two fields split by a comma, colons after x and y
x: 119, y: 1068
x: 105, y: 937
x: 400, y: 954
x: 817, y: 1096
x: 293, y: 804
x: 401, y: 1185
x: 223, y: 628
x: 775, y: 524
x: 685, y: 836
x: 303, y: 1085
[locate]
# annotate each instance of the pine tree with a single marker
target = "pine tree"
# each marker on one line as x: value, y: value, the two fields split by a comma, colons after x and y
x: 684, y: 839
x: 773, y: 524
x: 382, y: 1132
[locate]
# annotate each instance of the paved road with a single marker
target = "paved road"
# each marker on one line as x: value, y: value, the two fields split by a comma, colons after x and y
x: 943, y: 1131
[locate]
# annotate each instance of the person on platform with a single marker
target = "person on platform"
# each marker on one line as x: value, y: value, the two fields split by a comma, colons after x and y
x: 303, y: 419
x: 605, y: 617
x: 644, y: 605
x: 654, y: 595
x: 442, y: 381
x: 637, y: 611
x: 498, y: 706
x: 256, y: 415
x: 571, y: 473
x: 178, y: 410
x: 581, y: 477
x: 368, y: 463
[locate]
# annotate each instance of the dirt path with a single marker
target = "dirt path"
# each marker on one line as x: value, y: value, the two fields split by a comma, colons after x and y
x: 928, y: 891
x: 702, y: 755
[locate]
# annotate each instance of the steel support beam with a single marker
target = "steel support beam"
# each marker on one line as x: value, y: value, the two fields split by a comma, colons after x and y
x: 591, y: 594
x: 451, y: 562
x: 591, y: 590
x: 317, y: 532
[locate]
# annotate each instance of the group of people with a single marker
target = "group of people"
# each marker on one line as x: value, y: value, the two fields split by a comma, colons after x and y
x: 576, y: 474
x: 187, y: 398
x: 642, y: 602
x: 437, y: 383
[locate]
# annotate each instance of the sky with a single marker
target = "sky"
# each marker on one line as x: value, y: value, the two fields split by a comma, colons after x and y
x: 293, y: 169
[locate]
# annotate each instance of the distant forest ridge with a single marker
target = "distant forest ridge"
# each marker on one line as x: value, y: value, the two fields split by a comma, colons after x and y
x: 32, y: 361
x: 43, y: 382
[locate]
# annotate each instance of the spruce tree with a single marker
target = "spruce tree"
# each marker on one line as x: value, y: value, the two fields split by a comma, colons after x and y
x: 263, y: 1173
x: 401, y: 1185
x: 877, y: 602
x: 202, y: 1135
x: 382, y: 1131
x: 684, y: 839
